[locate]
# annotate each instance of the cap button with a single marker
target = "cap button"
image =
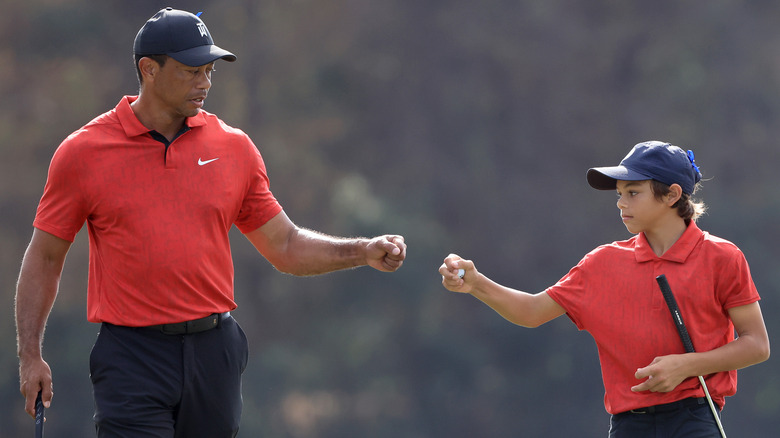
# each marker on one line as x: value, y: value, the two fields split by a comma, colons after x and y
x: 169, y: 8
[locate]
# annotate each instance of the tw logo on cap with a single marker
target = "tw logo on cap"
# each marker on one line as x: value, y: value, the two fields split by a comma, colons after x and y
x: 203, y: 31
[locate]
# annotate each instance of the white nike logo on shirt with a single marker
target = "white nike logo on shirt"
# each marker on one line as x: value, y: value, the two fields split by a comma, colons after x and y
x: 201, y: 162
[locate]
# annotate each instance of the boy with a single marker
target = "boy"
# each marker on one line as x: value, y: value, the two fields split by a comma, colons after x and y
x: 650, y: 382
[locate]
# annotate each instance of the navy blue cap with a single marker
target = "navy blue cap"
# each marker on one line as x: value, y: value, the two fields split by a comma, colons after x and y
x: 656, y: 160
x: 180, y: 35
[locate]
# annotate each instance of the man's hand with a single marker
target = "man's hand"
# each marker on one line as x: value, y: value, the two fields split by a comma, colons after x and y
x: 386, y: 253
x: 34, y: 376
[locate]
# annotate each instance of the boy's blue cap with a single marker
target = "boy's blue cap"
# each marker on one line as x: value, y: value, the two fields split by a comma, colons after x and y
x: 656, y: 160
x: 180, y: 35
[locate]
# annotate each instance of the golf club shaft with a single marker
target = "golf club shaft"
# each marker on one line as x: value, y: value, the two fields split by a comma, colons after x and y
x: 666, y: 290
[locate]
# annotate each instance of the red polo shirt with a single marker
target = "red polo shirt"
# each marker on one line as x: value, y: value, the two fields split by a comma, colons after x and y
x: 612, y: 294
x: 158, y: 218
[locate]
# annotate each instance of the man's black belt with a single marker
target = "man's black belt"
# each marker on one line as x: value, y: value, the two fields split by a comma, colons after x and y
x: 190, y: 327
x: 669, y: 407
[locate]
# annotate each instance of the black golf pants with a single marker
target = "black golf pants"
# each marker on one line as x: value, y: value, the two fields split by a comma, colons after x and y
x: 148, y: 384
x: 693, y: 421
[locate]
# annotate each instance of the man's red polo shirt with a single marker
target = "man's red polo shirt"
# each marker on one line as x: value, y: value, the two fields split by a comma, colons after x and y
x: 612, y: 293
x: 158, y: 219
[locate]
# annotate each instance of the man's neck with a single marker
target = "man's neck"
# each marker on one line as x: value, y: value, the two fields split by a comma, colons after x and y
x: 157, y: 119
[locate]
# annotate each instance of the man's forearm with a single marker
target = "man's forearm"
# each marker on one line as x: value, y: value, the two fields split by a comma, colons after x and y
x: 316, y: 253
x: 36, y: 290
x: 299, y: 251
x: 35, y: 295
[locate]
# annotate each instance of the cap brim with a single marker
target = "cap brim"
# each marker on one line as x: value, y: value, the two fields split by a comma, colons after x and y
x: 606, y: 178
x: 202, y: 55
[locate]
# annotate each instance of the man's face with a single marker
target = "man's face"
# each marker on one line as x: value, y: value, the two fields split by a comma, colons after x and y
x: 181, y: 89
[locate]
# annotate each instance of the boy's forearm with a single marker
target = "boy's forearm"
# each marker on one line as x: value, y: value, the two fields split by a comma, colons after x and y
x: 743, y: 352
x: 750, y: 347
x: 515, y: 306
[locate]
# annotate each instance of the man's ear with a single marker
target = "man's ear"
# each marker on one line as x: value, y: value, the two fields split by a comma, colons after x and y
x: 675, y: 193
x: 148, y: 68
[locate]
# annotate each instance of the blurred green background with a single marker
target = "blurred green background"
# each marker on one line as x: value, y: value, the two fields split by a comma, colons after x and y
x: 465, y: 126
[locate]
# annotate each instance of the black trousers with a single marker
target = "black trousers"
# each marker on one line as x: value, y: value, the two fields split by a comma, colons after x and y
x: 150, y: 384
x: 689, y: 421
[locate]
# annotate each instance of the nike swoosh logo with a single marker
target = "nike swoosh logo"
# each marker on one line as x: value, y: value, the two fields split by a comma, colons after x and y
x: 201, y: 162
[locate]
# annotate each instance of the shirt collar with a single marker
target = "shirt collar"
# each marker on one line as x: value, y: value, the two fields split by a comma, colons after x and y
x: 133, y: 127
x: 679, y: 252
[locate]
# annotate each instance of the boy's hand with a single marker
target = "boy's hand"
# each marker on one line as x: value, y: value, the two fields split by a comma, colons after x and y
x: 458, y: 274
x: 663, y: 374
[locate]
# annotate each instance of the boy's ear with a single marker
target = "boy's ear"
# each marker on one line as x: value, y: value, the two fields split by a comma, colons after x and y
x: 675, y: 193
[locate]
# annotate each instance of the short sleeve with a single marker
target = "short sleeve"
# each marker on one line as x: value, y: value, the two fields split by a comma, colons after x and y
x: 259, y: 204
x: 63, y: 209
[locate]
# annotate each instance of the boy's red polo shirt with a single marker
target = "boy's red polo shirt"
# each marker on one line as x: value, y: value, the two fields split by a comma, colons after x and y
x: 612, y: 293
x: 158, y: 220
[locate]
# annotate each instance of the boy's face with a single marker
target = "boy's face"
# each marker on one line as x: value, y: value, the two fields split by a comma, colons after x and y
x: 640, y: 210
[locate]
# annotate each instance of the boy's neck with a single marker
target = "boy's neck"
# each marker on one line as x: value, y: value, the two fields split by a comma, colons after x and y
x: 665, y: 235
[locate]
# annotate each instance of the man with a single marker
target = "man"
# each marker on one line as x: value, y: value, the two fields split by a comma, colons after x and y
x: 159, y: 183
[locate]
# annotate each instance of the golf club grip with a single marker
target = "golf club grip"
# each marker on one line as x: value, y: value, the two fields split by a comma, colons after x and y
x: 675, y: 311
x: 39, y: 410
